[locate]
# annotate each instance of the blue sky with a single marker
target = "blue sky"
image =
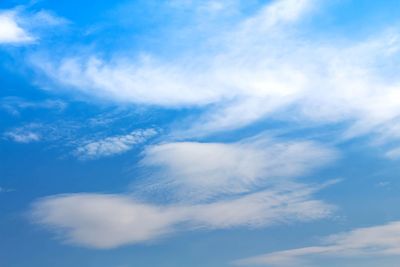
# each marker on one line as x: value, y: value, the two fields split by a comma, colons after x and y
x: 199, y: 133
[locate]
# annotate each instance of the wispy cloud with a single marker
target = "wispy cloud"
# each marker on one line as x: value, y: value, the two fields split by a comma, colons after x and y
x: 5, y: 190
x: 107, y: 221
x: 113, y: 145
x: 258, y: 68
x: 14, y: 105
x: 23, y: 135
x: 171, y: 84
x: 204, y: 170
x: 374, y: 241
x: 393, y: 153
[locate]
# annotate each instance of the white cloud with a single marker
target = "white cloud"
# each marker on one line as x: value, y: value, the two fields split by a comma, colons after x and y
x: 10, y: 30
x: 113, y: 145
x: 208, y: 169
x: 107, y: 221
x: 374, y: 241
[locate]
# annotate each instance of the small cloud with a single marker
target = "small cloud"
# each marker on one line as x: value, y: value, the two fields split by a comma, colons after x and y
x: 5, y: 190
x: 14, y: 105
x: 113, y: 145
x: 22, y: 136
x: 46, y: 18
x: 393, y: 154
x: 383, y: 184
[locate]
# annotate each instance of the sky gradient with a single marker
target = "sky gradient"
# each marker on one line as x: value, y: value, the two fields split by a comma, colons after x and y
x: 199, y: 133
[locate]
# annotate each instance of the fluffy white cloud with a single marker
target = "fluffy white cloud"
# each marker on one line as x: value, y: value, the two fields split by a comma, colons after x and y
x: 203, y: 170
x: 374, y: 241
x: 106, y: 221
x: 113, y: 145
x: 10, y: 31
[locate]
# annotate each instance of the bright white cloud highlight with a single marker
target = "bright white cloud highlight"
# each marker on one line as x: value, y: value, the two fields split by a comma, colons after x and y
x: 10, y: 31
x: 374, y: 241
x: 113, y: 145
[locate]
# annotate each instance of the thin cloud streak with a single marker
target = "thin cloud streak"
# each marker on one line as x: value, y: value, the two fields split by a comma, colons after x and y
x: 376, y: 241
